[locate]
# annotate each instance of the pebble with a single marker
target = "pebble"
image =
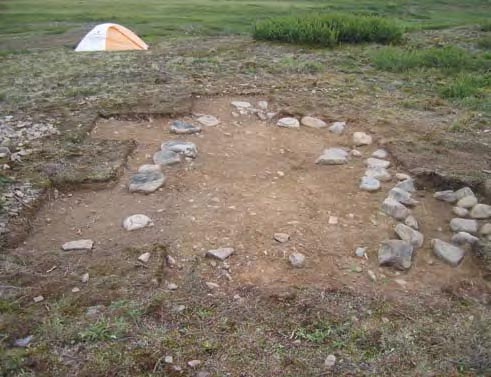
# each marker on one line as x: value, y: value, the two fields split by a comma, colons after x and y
x: 406, y: 185
x: 460, y: 212
x: 211, y: 286
x: 412, y: 222
x: 24, y: 342
x: 149, y: 168
x: 180, y: 127
x: 355, y: 153
x: 172, y: 286
x: 395, y: 209
x: 263, y: 105
x: 462, y: 238
x: 85, y: 278
x: 330, y: 361
x: 402, y: 176
x: 312, y: 122
x: 333, y: 156
x: 166, y: 157
x: 449, y: 253
x: 221, y: 253
x: 396, y: 253
x: 194, y: 363
x: 380, y: 153
x: 372, y: 275
x: 361, y: 252
x: 186, y: 148
x: 337, y: 128
x: 78, y: 245
x: 463, y: 225
x: 402, y: 196
x: 75, y: 289
x: 168, y: 359
x: 147, y: 182
x: 297, y: 260
x: 378, y: 173
x: 369, y: 184
x: 467, y: 202
x: 145, y: 257
x: 288, y: 122
x: 361, y: 138
x: 377, y: 163
x: 481, y: 211
x: 333, y: 220
x: 208, y: 120
x: 135, y: 222
x: 241, y: 105
x: 446, y: 196
x: 281, y: 237
x: 409, y: 235
x: 38, y: 299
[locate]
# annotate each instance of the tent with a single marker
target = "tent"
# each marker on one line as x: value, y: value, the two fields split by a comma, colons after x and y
x: 111, y: 37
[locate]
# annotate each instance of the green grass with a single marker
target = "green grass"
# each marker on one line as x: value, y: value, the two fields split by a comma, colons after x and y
x: 466, y: 85
x: 484, y: 43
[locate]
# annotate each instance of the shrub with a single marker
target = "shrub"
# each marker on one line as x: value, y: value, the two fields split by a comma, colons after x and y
x: 328, y: 29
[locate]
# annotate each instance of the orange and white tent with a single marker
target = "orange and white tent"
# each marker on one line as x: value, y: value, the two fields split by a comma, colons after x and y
x: 111, y: 37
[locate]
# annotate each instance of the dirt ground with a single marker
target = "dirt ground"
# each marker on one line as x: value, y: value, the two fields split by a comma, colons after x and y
x: 250, y: 180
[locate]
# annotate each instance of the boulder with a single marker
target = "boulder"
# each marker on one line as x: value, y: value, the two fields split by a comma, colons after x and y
x: 396, y: 253
x: 463, y: 225
x: 406, y: 185
x: 481, y: 211
x: 446, y: 196
x: 402, y: 196
x: 395, y: 209
x: 467, y: 202
x: 447, y: 252
x: 463, y: 238
x: 408, y: 234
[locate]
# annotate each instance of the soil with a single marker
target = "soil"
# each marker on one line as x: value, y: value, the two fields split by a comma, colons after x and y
x: 250, y: 180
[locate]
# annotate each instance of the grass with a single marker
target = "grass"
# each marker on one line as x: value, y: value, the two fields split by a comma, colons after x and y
x: 329, y: 29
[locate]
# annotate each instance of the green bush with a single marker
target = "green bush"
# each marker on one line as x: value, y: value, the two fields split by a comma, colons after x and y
x: 328, y: 29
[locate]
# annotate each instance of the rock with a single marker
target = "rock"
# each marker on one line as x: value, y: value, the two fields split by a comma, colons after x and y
x: 449, y: 253
x: 147, y: 182
x: 361, y: 252
x: 38, y: 299
x: 396, y: 253
x: 211, y: 286
x: 409, y: 235
x: 75, y: 289
x: 467, y: 202
x: 460, y: 212
x: 185, y: 148
x: 395, y: 209
x: 94, y: 311
x: 361, y: 138
x: 330, y: 361
x: 407, y: 185
x: 378, y: 173
x: 313, y: 122
x: 402, y: 176
x: 145, y: 257
x: 288, y: 122
x: 168, y: 359
x: 78, y: 245
x: 333, y: 220
x: 4, y: 152
x: 485, y: 229
x: 208, y: 120
x: 412, y: 222
x: 369, y: 184
x: 166, y: 157
x: 337, y: 128
x: 481, y: 211
x: 135, y: 222
x: 380, y: 153
x: 149, y: 168
x: 85, y: 278
x: 172, y: 286
x: 377, y: 163
x: 170, y: 261
x: 194, y: 363
x: 241, y: 105
x: 446, y: 196
x: 221, y: 253
x: 24, y: 342
x: 263, y: 105
x: 355, y: 153
x: 463, y: 192
x: 179, y: 127
x: 297, y: 259
x: 463, y: 225
x: 333, y: 156
x: 402, y: 196
x: 463, y: 238
x: 372, y: 275
x: 281, y: 237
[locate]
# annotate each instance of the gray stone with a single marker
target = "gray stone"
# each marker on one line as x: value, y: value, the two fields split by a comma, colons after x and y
x: 211, y: 286
x: 481, y: 211
x: 263, y: 105
x: 24, y: 342
x: 85, y: 278
x: 412, y: 222
x: 281, y: 237
x: 446, y: 196
x: 146, y: 182
x: 463, y: 238
x: 355, y: 153
x: 395, y: 209
x: 463, y: 192
x: 194, y: 363
x: 78, y: 245
x: 208, y: 120
x: 361, y: 252
x: 377, y: 163
x: 312, y: 122
x: 297, y: 259
x: 402, y: 176
x: 337, y: 128
x: 135, y: 222
x: 168, y: 359
x: 449, y: 253
x: 145, y: 257
x: 241, y: 105
x: 94, y: 311
x: 463, y: 225
x: 407, y: 185
x: 180, y: 127
x: 221, y: 253
x: 485, y: 229
x: 380, y: 153
x: 361, y: 138
x: 330, y: 361
x: 467, y: 202
x: 186, y: 148
x: 4, y: 152
x: 378, y: 173
x: 369, y: 184
x: 288, y: 122
x: 333, y: 156
x: 402, y: 196
x: 149, y: 168
x: 396, y: 253
x: 409, y: 235
x: 460, y: 212
x: 172, y: 286
x: 166, y: 157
